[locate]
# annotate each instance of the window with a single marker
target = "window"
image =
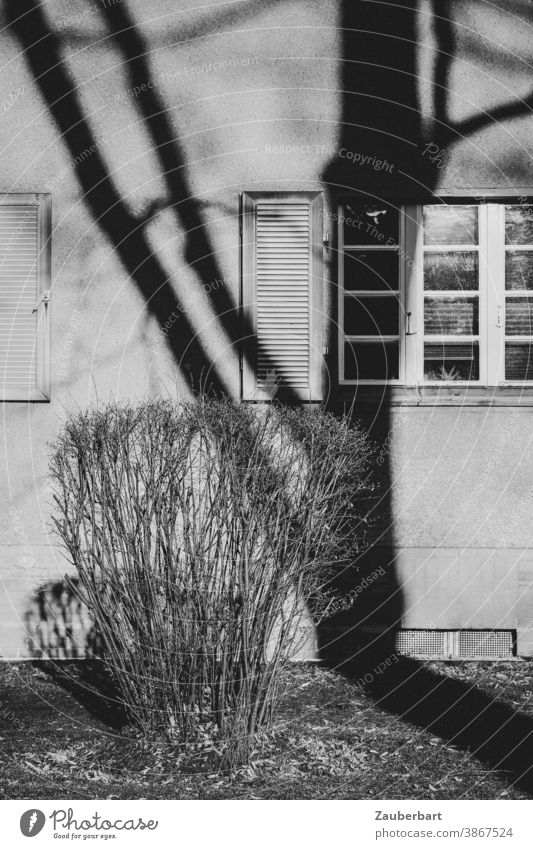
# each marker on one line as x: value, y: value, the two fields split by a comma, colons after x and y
x: 433, y: 295
x: 282, y: 295
x: 371, y: 282
x: 451, y: 293
x: 24, y: 294
x: 518, y: 271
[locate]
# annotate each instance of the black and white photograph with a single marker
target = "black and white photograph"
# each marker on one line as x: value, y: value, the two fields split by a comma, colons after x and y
x: 266, y: 376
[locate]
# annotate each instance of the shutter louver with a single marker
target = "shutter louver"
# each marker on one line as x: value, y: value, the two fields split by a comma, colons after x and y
x: 18, y: 297
x: 283, y: 267
x: 281, y: 272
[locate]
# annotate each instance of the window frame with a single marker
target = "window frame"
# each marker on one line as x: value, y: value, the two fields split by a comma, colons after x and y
x: 481, y: 292
x: 492, y: 295
x: 504, y: 294
x: 41, y: 390
x: 341, y: 294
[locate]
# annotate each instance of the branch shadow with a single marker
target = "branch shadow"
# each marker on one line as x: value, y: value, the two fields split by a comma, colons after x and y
x: 460, y: 714
x: 216, y: 20
x: 199, y: 250
x: 380, y: 111
x: 42, y: 51
x: 381, y: 117
x: 447, y: 132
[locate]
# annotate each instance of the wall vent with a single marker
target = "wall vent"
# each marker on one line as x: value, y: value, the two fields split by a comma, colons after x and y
x: 464, y: 644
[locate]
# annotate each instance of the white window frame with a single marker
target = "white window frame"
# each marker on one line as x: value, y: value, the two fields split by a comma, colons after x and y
x: 343, y: 337
x: 503, y: 295
x: 492, y: 299
x: 418, y: 283
x: 42, y: 389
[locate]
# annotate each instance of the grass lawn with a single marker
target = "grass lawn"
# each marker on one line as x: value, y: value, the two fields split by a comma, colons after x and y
x: 332, y: 739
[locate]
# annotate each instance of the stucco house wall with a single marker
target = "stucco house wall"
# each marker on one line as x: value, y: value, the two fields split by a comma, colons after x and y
x: 255, y: 97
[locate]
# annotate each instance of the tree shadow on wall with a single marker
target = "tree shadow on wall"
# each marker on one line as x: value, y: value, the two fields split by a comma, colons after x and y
x: 380, y: 112
x: 381, y: 117
x: 126, y: 232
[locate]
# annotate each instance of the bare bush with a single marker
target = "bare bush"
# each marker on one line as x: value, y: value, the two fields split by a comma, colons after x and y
x: 200, y: 532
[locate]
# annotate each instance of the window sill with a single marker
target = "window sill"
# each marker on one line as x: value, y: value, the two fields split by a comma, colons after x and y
x: 442, y: 396
x: 25, y: 396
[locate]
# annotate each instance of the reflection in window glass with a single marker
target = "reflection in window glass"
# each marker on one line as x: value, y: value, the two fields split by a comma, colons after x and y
x: 451, y: 270
x: 447, y: 316
x: 450, y: 225
x: 519, y: 317
x: 371, y: 360
x: 371, y: 224
x: 518, y: 270
x: 371, y: 271
x: 518, y: 361
x: 519, y: 225
x: 449, y: 361
x: 518, y: 279
x: 371, y: 316
x: 451, y: 316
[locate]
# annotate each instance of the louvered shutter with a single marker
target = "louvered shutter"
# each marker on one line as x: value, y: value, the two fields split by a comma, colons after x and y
x: 23, y: 273
x: 282, y: 276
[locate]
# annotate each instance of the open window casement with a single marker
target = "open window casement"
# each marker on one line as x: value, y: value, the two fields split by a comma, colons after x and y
x: 282, y: 296
x: 24, y: 297
x: 436, y: 295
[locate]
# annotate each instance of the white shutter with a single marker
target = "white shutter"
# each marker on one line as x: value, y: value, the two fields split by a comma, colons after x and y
x: 21, y: 269
x: 281, y: 289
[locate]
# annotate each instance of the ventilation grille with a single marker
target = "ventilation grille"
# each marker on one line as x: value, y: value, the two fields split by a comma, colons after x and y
x: 283, y: 266
x: 471, y: 645
x: 485, y: 644
x: 426, y: 643
x: 18, y: 294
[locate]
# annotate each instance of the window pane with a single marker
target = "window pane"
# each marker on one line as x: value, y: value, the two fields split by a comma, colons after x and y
x: 519, y: 317
x: 371, y: 316
x: 373, y: 270
x: 371, y: 224
x: 451, y: 316
x: 371, y: 360
x: 518, y: 361
x: 450, y: 225
x: 448, y: 361
x: 453, y: 270
x: 518, y: 270
x: 519, y: 225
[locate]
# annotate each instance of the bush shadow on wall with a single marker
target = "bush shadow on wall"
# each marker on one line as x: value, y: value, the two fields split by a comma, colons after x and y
x: 66, y: 646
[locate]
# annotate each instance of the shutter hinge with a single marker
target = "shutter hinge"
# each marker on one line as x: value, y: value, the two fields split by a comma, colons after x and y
x: 45, y: 299
x: 325, y: 238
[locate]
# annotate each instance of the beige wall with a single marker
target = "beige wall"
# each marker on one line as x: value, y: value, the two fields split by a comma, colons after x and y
x: 254, y: 94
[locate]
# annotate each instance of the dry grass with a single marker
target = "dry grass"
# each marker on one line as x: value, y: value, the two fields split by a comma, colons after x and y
x: 330, y: 740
